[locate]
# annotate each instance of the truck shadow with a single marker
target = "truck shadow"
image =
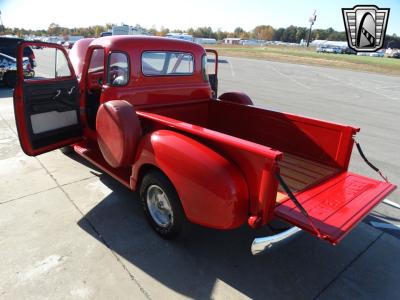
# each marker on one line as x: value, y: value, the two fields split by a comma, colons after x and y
x: 208, y: 262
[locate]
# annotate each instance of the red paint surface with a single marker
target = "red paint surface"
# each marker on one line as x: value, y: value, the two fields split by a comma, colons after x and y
x: 212, y: 189
x: 19, y: 108
x: 336, y: 205
x: 118, y: 132
x: 221, y: 156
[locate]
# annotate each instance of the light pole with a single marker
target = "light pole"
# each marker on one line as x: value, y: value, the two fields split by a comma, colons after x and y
x: 2, y: 26
x: 312, y: 19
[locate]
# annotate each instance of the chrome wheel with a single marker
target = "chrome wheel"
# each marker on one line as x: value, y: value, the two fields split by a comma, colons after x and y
x: 159, y: 206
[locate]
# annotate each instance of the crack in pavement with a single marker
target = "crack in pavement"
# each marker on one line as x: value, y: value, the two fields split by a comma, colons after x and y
x: 49, y: 189
x: 132, y: 277
x: 32, y: 194
x: 141, y: 288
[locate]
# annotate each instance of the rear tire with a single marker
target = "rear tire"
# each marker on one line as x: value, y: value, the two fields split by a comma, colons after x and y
x: 67, y: 150
x: 10, y: 79
x: 162, y: 206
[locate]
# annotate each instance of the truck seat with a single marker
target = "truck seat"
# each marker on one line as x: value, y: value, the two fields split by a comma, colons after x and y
x: 118, y: 132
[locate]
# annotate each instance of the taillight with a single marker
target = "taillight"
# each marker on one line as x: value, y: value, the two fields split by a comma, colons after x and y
x: 28, y: 67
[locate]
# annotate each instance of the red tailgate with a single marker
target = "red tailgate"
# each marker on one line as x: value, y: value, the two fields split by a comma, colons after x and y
x: 336, y: 205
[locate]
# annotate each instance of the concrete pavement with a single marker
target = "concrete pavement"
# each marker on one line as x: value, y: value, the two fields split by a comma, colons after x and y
x: 67, y: 231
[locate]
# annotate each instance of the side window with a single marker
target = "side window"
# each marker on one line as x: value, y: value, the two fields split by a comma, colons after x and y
x: 204, y: 67
x: 62, y: 69
x: 118, y: 69
x: 155, y: 63
x: 97, y: 62
x: 45, y: 62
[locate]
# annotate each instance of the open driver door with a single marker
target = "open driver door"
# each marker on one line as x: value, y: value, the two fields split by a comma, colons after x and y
x: 46, y: 101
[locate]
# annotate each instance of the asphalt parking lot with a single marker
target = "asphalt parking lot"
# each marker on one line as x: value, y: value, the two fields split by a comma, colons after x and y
x: 67, y: 231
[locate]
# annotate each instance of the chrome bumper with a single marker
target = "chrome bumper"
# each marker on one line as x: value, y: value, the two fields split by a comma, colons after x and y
x: 263, y: 244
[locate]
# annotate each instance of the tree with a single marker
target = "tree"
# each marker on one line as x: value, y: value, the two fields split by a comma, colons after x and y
x: 54, y: 29
x: 220, y: 35
x: 163, y: 31
x: 97, y: 31
x: 238, y: 31
x: 278, y: 34
x: 245, y: 35
x: 109, y: 26
x: 204, y: 32
x: 153, y: 31
x: 290, y: 34
x: 301, y: 33
x: 264, y: 32
x: 190, y: 31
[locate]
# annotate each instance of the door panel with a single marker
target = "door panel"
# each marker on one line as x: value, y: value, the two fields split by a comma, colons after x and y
x: 336, y: 205
x: 52, y: 120
x: 47, y: 102
x: 52, y: 112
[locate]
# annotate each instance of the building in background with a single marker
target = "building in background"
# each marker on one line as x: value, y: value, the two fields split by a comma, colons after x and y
x: 128, y: 30
x: 232, y: 41
x: 204, y: 41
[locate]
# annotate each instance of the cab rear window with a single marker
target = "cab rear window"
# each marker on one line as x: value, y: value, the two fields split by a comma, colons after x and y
x: 167, y: 63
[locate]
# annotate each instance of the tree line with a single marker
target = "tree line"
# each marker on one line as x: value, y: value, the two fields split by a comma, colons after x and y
x: 291, y: 34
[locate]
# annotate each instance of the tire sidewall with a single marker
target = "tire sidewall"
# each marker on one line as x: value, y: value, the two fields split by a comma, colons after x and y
x: 67, y: 150
x: 159, y: 179
x: 10, y: 79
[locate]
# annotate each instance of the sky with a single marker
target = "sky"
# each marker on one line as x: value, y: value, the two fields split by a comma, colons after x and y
x: 174, y: 14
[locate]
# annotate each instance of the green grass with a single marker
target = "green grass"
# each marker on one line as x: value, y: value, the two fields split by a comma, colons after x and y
x: 309, y: 56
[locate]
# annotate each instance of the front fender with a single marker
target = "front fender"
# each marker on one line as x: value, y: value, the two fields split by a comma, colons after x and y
x: 212, y: 190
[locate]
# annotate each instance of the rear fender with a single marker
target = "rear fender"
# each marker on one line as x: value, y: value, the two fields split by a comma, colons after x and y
x: 212, y: 190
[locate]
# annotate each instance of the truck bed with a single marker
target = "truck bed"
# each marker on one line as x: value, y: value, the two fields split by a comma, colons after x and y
x: 311, y: 155
x: 301, y: 167
x: 299, y: 173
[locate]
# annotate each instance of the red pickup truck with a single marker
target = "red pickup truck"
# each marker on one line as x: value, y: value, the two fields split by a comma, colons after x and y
x: 146, y: 111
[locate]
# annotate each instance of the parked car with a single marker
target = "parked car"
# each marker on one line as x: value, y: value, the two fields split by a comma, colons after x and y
x: 145, y: 111
x: 395, y: 55
x: 8, y: 46
x: 329, y: 49
x: 379, y: 53
x: 348, y: 50
x: 8, y: 68
x: 106, y: 33
x: 336, y: 50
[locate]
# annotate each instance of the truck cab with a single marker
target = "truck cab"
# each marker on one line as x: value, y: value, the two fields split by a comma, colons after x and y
x: 146, y: 111
x: 144, y: 71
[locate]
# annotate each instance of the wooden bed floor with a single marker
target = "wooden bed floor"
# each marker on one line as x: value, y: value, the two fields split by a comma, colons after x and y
x: 300, y: 173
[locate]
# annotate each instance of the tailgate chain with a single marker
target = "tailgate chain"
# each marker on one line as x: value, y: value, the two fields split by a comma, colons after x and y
x: 298, y: 205
x: 368, y: 162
